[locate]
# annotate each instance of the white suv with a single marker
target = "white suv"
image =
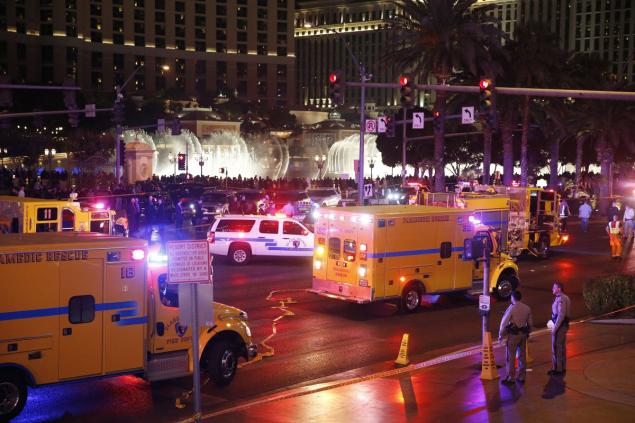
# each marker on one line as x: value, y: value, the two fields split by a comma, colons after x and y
x: 240, y: 237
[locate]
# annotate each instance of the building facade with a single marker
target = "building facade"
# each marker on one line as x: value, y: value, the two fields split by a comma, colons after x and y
x: 324, y: 27
x: 192, y: 47
x: 602, y: 27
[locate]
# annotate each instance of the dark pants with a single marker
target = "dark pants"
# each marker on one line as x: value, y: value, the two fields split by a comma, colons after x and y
x: 516, y: 344
x: 559, y: 349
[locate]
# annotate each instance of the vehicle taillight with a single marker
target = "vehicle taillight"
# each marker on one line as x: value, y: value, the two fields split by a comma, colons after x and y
x: 138, y: 255
x: 211, y: 237
x: 565, y: 238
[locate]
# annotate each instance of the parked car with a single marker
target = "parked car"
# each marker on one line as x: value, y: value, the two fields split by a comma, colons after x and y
x: 240, y: 237
x: 216, y: 202
x: 299, y: 199
x: 324, y: 197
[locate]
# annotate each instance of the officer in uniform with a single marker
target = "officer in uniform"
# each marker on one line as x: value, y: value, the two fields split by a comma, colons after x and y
x: 559, y: 323
x: 516, y: 325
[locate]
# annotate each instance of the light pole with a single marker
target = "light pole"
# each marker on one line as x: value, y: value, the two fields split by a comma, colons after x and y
x: 201, y: 163
x: 50, y: 153
x: 371, y: 164
x: 172, y: 159
x: 319, y: 161
x: 119, y: 118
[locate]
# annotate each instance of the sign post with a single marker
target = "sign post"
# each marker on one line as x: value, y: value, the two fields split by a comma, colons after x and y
x: 189, y: 262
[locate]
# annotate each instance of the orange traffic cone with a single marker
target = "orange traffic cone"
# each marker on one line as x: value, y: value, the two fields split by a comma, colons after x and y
x: 402, y: 358
x: 488, y: 367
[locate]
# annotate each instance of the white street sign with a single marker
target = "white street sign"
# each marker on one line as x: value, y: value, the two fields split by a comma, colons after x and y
x: 90, y: 110
x: 483, y: 302
x: 188, y: 262
x: 368, y: 190
x: 371, y: 126
x: 467, y: 115
x: 417, y: 120
x: 381, y: 124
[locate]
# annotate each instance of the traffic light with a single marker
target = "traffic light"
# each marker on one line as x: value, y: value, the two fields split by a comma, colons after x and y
x: 181, y: 160
x: 436, y: 120
x: 176, y: 129
x: 407, y: 91
x: 336, y: 88
x: 390, y: 126
x: 486, y: 100
x: 70, y: 100
x: 122, y: 151
x: 118, y: 113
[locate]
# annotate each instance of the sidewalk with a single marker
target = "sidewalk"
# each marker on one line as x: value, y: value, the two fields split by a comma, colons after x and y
x: 599, y: 386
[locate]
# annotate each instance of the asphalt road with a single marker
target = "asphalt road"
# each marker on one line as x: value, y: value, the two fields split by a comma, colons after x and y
x: 324, y: 339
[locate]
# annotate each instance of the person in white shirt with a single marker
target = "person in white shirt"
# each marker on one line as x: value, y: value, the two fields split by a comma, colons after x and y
x: 584, y: 212
x: 629, y: 214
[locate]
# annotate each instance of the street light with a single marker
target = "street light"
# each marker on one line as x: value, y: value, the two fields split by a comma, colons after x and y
x: 319, y: 161
x: 201, y: 163
x: 371, y: 164
x: 172, y: 159
x: 50, y: 153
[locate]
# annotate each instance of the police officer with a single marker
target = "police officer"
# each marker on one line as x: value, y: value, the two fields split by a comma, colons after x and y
x: 559, y: 323
x: 516, y: 325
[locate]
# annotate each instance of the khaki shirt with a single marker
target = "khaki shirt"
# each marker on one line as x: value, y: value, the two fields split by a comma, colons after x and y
x: 562, y: 307
x: 519, y: 314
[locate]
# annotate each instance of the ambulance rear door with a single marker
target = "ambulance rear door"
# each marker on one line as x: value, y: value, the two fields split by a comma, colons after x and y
x: 81, y: 284
x: 338, y: 268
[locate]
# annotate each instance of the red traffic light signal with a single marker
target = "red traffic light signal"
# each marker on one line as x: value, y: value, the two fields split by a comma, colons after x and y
x: 336, y: 88
x: 403, y: 80
x: 485, y: 84
x: 181, y: 161
x: 407, y: 91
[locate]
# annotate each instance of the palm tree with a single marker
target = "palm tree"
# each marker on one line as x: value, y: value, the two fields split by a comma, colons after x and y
x: 438, y: 38
x: 535, y: 58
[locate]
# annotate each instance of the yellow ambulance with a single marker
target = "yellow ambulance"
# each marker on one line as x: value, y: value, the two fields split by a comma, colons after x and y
x: 525, y: 218
x: 401, y: 252
x: 80, y: 305
x: 31, y: 215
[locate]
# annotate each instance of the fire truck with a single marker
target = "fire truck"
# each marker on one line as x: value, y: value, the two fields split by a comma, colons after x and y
x: 524, y: 218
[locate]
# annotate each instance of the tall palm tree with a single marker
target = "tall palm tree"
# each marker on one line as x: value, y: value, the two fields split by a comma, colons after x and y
x: 536, y: 58
x: 438, y: 38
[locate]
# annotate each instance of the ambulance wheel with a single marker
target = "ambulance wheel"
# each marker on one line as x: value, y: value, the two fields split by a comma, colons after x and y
x: 13, y: 395
x: 411, y: 298
x: 507, y: 282
x: 240, y: 254
x: 222, y: 362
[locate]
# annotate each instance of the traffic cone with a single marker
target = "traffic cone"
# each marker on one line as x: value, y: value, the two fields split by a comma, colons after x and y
x: 402, y: 358
x: 488, y: 368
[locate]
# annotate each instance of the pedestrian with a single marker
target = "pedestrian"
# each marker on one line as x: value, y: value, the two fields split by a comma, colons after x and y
x: 629, y: 214
x: 289, y: 209
x: 133, y: 217
x: 178, y: 214
x: 516, y: 326
x: 21, y: 193
x: 559, y: 324
x: 564, y: 212
x: 614, y: 210
x: 614, y: 229
x: 584, y: 212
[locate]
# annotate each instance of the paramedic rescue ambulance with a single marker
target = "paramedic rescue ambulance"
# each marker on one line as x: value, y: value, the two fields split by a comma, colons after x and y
x: 366, y: 254
x: 75, y: 306
x: 30, y: 215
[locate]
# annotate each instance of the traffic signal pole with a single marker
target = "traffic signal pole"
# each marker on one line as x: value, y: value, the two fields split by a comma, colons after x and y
x: 404, y: 145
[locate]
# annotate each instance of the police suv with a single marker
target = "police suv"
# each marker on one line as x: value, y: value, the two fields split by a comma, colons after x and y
x: 239, y: 237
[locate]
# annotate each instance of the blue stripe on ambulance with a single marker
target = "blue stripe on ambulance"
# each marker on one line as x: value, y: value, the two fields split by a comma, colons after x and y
x: 130, y: 310
x: 411, y: 252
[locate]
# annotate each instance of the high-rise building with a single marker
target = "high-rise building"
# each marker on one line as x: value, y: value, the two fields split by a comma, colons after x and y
x: 602, y: 27
x: 324, y: 27
x: 323, y: 30
x: 243, y: 47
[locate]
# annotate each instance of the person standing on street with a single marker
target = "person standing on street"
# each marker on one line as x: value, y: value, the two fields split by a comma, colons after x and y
x: 584, y: 212
x: 614, y: 229
x: 564, y: 213
x: 629, y: 214
x: 516, y: 325
x: 559, y: 324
